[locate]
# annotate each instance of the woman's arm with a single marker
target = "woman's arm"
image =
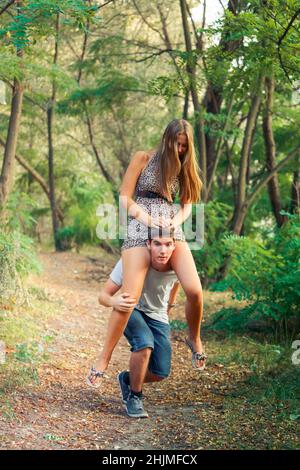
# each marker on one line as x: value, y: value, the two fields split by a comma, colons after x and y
x: 136, y: 165
x: 122, y: 302
x: 183, y: 213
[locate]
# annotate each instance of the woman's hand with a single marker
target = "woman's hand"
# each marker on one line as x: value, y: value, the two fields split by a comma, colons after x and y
x: 123, y: 302
x: 160, y: 222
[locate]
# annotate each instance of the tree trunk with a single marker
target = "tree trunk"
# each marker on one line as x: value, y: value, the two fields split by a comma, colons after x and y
x: 37, y: 177
x: 219, y: 149
x: 185, y: 112
x: 50, y: 119
x: 239, y: 211
x: 89, y: 124
x: 198, y: 108
x: 7, y: 173
x: 213, y: 98
x: 256, y: 191
x: 273, y: 185
x: 295, y: 192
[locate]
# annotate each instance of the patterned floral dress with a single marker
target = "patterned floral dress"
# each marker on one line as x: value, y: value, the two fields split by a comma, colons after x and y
x: 137, y: 232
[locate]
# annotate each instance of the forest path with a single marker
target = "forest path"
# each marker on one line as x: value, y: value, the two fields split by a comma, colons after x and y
x: 186, y: 411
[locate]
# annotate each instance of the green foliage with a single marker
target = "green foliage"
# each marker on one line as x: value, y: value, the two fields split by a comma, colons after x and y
x: 28, y: 353
x: 209, y: 259
x: 272, y: 381
x: 234, y: 320
x: 23, y: 332
x: 178, y: 325
x: 267, y: 275
x: 17, y: 259
x: 52, y: 437
x: 257, y: 40
x: 111, y: 88
x: 85, y: 198
x: 19, y: 210
x: 166, y: 86
x: 34, y: 20
x: 20, y: 367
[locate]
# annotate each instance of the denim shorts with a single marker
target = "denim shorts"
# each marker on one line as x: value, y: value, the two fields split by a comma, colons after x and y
x: 144, y: 332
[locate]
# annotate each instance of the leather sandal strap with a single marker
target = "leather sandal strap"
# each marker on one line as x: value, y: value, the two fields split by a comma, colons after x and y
x: 199, y: 356
x: 96, y: 373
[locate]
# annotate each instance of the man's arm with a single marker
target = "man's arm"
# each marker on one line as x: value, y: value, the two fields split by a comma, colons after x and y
x: 107, y: 297
x: 173, y: 295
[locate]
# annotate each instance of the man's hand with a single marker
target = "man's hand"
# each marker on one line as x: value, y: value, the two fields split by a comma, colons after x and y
x: 123, y: 302
x: 170, y: 308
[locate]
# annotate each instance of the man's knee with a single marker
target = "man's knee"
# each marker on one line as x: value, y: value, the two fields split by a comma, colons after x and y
x: 159, y: 378
x: 144, y: 352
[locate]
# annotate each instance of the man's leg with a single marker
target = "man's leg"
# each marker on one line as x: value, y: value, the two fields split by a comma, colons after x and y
x: 133, y: 381
x: 139, y: 373
x: 150, y: 377
x: 141, y: 339
x: 138, y: 366
x: 150, y: 359
x: 151, y: 364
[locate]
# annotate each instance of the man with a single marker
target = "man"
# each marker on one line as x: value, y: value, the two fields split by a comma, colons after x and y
x: 148, y: 329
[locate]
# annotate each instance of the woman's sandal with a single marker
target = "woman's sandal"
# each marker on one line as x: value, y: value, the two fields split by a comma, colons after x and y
x: 196, y: 356
x: 94, y: 373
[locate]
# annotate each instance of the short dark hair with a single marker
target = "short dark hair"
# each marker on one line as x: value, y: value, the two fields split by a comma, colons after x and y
x: 154, y: 232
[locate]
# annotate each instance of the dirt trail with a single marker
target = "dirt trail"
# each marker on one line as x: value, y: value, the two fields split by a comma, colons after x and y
x: 63, y: 413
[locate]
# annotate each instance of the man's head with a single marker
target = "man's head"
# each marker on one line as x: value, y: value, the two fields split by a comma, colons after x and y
x: 161, y: 246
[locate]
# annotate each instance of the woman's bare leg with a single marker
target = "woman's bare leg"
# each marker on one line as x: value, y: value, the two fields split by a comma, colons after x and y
x: 183, y: 264
x: 135, y: 263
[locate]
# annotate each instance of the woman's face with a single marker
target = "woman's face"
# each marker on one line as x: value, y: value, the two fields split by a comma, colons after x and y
x: 182, y: 144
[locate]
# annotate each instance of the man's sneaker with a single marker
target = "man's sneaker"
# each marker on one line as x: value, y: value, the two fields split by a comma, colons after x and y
x: 134, y: 407
x: 125, y: 389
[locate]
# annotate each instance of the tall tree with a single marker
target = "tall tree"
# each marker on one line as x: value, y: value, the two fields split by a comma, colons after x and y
x: 7, y: 172
x: 239, y: 215
x: 50, y: 120
x: 270, y: 145
x: 198, y: 106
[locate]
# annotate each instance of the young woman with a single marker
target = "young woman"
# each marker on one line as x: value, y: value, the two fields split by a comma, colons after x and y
x: 153, y: 180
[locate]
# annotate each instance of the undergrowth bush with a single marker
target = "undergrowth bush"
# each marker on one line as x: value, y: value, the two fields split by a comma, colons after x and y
x: 267, y: 275
x: 17, y: 260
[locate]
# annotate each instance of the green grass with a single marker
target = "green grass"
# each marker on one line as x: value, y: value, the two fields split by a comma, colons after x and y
x: 24, y: 331
x: 178, y: 325
x: 261, y: 400
x: 271, y: 379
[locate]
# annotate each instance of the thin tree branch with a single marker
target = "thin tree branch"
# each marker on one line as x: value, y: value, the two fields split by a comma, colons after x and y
x: 169, y: 44
x: 104, y: 4
x: 145, y: 20
x: 153, y: 55
x: 9, y: 4
x: 267, y: 178
x: 37, y: 177
x: 279, y: 43
x: 199, y: 45
x: 294, y: 17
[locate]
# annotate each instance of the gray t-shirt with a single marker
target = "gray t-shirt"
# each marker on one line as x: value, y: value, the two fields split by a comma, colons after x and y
x: 155, y: 294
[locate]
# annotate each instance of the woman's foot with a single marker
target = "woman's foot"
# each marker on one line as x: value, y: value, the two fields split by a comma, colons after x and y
x: 94, y: 377
x: 198, y: 355
x: 96, y: 374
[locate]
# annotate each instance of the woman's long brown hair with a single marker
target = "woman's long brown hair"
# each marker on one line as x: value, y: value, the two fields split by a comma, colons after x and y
x: 171, y: 166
